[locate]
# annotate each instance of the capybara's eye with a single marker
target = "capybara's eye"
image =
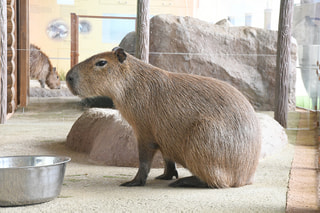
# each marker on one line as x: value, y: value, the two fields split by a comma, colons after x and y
x: 101, y: 63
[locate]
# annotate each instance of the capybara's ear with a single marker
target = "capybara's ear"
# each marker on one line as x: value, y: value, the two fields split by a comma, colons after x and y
x: 120, y: 54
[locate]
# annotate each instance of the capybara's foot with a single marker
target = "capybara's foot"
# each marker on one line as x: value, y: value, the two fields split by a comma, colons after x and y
x: 191, y: 181
x: 168, y: 175
x: 169, y: 172
x: 134, y: 183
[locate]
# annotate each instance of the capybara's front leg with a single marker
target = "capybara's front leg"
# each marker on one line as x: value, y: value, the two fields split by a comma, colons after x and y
x: 169, y: 171
x: 145, y: 159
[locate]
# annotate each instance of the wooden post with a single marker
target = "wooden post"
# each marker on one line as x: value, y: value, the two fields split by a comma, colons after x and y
x: 74, y: 54
x: 23, y: 52
x: 142, y: 30
x: 3, y: 61
x: 283, y: 62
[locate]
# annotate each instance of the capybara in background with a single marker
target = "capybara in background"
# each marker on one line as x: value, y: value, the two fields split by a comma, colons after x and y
x: 41, y: 68
x: 204, y: 124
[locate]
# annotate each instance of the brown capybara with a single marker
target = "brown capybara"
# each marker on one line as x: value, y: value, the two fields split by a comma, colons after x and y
x: 41, y: 68
x: 202, y: 123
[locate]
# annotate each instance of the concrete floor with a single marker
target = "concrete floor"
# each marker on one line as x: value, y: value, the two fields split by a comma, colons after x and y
x: 42, y: 127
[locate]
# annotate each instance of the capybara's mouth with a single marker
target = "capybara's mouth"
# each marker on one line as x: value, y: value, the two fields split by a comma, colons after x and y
x: 72, y: 90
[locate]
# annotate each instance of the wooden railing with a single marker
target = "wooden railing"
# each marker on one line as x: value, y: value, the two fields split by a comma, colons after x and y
x: 74, y: 53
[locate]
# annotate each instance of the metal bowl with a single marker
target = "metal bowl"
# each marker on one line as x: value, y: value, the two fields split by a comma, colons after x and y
x: 28, y: 180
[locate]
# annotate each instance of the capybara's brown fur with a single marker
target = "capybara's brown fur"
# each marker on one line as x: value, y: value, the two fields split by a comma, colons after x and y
x: 41, y: 68
x: 204, y: 124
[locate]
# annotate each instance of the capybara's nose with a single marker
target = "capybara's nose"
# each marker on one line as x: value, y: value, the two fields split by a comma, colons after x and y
x: 70, y: 77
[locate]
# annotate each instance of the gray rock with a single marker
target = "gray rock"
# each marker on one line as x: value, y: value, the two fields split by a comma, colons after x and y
x: 245, y: 57
x: 37, y: 91
x: 274, y: 136
x: 109, y: 139
x: 129, y: 42
x: 224, y: 22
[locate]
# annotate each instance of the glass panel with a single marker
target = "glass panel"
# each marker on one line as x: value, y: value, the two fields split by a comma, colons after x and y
x: 50, y: 30
x: 306, y: 30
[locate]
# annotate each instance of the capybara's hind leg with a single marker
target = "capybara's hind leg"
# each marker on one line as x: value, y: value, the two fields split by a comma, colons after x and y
x: 169, y: 171
x: 191, y: 181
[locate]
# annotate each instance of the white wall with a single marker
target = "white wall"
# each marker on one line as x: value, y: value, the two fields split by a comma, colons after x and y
x: 215, y: 10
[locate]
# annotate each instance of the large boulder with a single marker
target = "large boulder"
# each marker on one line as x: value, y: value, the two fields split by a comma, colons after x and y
x: 106, y: 138
x: 243, y: 56
x: 273, y: 136
x: 109, y: 139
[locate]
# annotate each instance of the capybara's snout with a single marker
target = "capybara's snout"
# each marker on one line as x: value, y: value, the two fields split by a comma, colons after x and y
x: 71, y: 79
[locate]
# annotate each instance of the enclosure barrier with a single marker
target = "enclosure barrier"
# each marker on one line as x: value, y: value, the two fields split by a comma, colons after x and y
x: 74, y: 54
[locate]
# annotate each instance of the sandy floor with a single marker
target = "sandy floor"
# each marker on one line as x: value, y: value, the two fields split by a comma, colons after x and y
x: 42, y: 127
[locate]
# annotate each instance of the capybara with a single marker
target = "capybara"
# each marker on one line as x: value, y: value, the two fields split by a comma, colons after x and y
x: 41, y: 68
x: 204, y: 124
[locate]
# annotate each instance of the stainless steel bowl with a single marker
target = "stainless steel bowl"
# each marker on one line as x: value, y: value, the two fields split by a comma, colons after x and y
x: 28, y: 180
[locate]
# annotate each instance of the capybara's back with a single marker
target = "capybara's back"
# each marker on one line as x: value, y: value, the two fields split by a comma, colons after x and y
x: 41, y: 68
x: 202, y: 123
x: 222, y: 143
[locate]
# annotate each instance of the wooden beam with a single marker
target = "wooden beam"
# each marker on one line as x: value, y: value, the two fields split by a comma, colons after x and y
x: 3, y: 61
x: 283, y: 62
x: 142, y: 30
x: 23, y: 53
x: 106, y: 17
x: 74, y: 39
